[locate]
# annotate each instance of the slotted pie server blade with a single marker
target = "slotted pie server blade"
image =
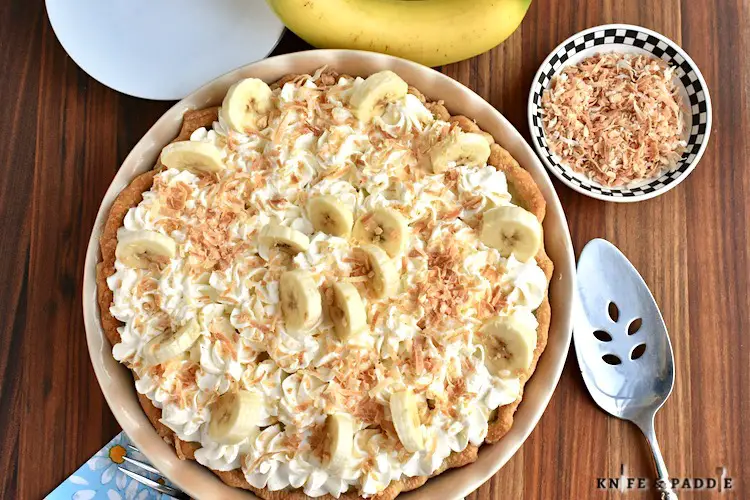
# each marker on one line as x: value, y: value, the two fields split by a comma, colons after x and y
x: 622, y: 344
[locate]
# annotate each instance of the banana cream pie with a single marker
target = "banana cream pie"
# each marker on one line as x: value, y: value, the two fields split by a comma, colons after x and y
x: 328, y: 287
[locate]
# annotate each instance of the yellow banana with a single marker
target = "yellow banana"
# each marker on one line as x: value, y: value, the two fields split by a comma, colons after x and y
x: 431, y: 32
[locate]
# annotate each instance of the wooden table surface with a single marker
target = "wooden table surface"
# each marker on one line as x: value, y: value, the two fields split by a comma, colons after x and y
x: 64, y: 136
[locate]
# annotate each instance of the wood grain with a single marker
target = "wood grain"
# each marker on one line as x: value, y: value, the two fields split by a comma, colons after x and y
x: 65, y: 136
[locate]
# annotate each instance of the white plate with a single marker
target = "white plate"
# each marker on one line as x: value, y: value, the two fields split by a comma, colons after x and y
x: 140, y: 47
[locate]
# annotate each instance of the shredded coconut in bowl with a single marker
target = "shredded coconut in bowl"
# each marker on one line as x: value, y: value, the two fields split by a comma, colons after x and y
x: 617, y: 118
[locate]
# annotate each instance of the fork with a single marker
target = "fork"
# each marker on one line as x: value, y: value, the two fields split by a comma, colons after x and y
x: 161, y: 488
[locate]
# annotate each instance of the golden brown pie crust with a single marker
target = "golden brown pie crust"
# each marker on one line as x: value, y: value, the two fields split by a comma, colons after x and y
x: 525, y: 193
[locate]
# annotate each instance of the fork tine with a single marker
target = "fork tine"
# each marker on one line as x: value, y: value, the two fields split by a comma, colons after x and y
x: 161, y: 488
x: 141, y: 465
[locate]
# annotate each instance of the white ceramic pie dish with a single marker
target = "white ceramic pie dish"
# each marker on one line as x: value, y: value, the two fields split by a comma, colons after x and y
x: 116, y: 380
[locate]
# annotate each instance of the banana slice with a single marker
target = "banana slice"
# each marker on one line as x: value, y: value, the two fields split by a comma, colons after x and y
x: 347, y: 311
x: 235, y: 416
x: 383, y: 227
x: 286, y: 238
x: 197, y: 157
x: 300, y: 301
x: 137, y: 249
x: 340, y: 429
x: 169, y: 345
x: 383, y: 275
x: 382, y: 87
x: 245, y: 103
x: 510, y: 342
x: 330, y: 216
x: 512, y: 230
x: 405, y: 415
x: 459, y: 149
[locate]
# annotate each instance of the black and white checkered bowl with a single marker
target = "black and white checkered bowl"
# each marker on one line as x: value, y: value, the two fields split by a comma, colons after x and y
x: 635, y: 40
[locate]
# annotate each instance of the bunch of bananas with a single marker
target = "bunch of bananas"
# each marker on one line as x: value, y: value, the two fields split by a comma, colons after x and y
x: 431, y: 32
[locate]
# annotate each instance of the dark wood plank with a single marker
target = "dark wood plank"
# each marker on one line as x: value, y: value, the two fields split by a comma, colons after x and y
x: 66, y: 135
x: 62, y: 411
x: 20, y: 46
x: 718, y: 256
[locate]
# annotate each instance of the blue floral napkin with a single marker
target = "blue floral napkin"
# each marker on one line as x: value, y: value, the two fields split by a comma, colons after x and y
x: 99, y: 478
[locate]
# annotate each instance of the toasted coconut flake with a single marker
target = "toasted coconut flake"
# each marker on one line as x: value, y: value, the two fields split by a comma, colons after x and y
x: 318, y: 440
x: 225, y: 342
x: 616, y: 118
x: 370, y: 411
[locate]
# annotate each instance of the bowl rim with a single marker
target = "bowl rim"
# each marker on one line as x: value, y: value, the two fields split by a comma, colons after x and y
x: 608, y: 197
x: 538, y: 390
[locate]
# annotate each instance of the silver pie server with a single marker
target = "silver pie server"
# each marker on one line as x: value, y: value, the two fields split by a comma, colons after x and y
x: 622, y: 344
